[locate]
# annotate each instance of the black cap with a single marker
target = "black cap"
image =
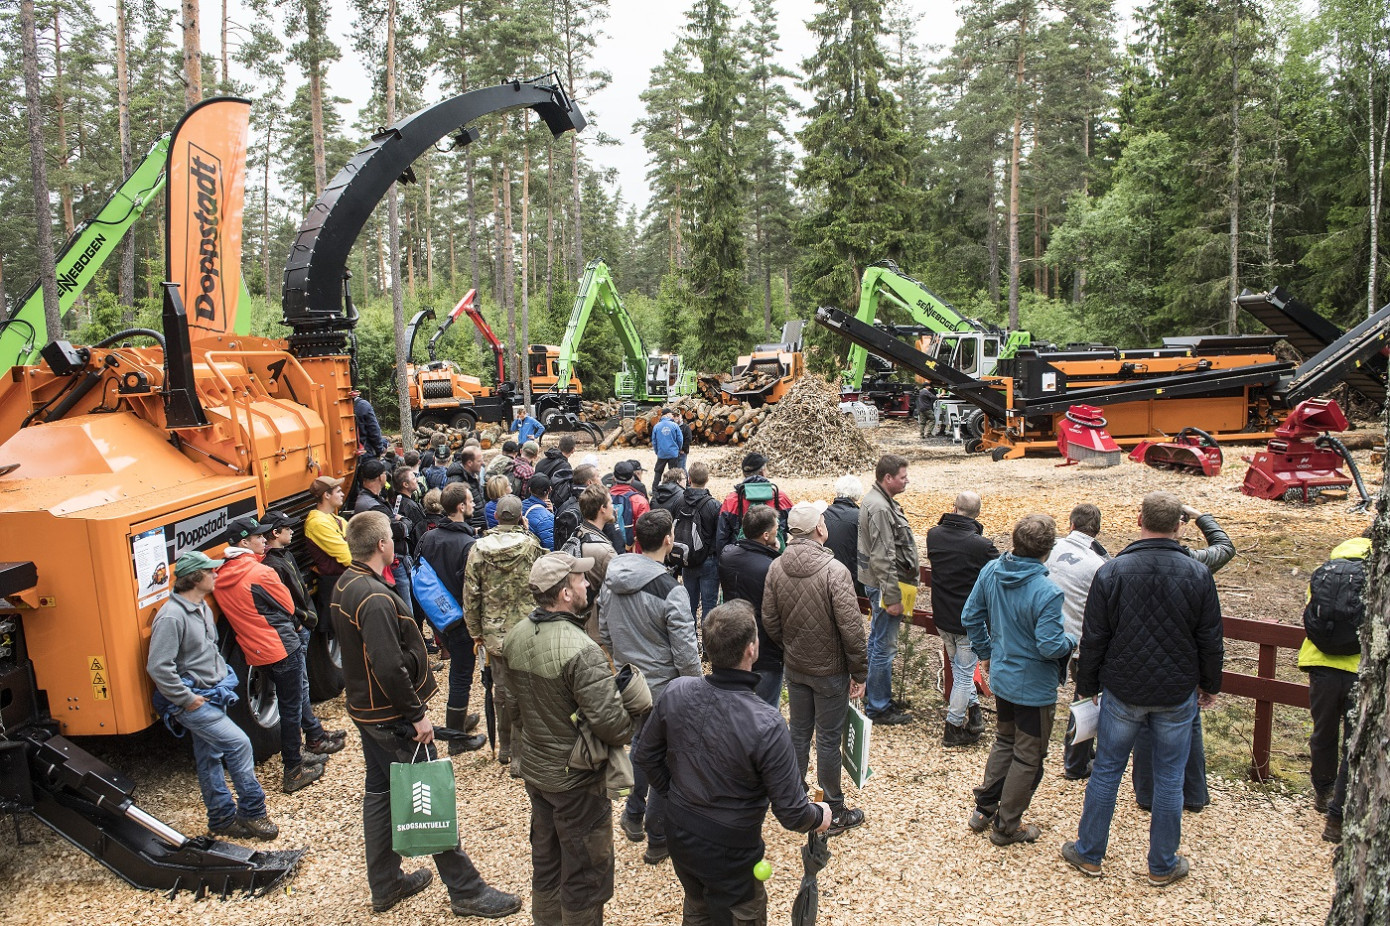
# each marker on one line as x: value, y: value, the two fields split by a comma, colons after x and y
x: 753, y: 462
x: 636, y: 466
x: 248, y: 525
x: 278, y: 520
x: 623, y: 471
x: 371, y: 468
x: 539, y: 483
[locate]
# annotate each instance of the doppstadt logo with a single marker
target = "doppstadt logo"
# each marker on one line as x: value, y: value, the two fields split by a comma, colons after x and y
x: 205, y: 171
x: 196, y: 532
x: 420, y: 798
x: 67, y: 279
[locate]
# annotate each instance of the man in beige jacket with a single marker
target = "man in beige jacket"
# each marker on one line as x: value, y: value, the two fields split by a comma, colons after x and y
x: 809, y: 608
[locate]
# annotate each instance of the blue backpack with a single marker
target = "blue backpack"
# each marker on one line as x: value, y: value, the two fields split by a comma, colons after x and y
x: 434, y: 599
x: 623, y: 519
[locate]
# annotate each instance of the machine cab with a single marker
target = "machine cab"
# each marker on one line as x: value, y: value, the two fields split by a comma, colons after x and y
x: 972, y: 353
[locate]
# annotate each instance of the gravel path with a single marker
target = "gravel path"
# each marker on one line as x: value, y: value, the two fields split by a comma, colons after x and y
x: 1256, y: 855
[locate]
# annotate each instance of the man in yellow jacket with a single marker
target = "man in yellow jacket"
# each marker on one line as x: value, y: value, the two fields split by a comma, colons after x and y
x: 1332, y: 616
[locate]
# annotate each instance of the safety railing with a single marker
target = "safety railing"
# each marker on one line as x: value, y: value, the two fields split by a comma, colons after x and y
x: 1263, y: 687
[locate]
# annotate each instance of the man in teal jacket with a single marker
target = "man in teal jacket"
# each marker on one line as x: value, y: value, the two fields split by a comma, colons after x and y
x: 1014, y: 619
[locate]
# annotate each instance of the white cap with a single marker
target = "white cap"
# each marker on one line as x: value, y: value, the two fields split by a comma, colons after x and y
x: 804, y: 517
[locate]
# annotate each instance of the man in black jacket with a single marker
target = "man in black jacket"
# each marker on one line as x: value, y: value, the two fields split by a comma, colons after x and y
x: 842, y: 520
x: 701, y: 578
x: 715, y: 730
x: 743, y: 567
x: 446, y: 549
x: 472, y: 461
x: 556, y: 465
x: 1151, y: 647
x: 958, y: 550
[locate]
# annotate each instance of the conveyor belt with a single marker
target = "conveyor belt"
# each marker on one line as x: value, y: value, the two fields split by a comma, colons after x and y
x: 1308, y: 332
x: 1356, y: 358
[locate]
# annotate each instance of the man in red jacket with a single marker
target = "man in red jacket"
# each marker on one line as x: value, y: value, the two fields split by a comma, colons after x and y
x: 260, y: 610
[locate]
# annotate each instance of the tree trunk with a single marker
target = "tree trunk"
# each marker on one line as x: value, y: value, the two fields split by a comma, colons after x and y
x: 313, y: 30
x: 192, y: 55
x: 429, y: 232
x: 393, y: 231
x: 549, y: 230
x: 61, y: 109
x: 125, y: 286
x: 226, y: 80
x: 578, y: 203
x: 526, y: 250
x: 508, y: 293
x: 1362, y: 862
x: 1375, y: 157
x: 992, y: 234
x: 1233, y: 191
x: 1014, y: 176
x: 38, y: 169
x: 265, y: 213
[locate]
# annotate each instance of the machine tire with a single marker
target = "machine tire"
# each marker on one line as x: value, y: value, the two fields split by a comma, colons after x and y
x: 973, y: 445
x: 464, y: 421
x: 257, y: 712
x: 325, y: 659
x: 998, y: 453
x: 974, y: 425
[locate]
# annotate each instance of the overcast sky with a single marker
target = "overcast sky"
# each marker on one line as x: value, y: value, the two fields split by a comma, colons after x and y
x: 636, y: 34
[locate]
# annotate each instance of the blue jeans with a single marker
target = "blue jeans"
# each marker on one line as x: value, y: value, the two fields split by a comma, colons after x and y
x: 288, y: 676
x: 644, y: 802
x: 769, y: 686
x: 1194, y: 774
x: 702, y: 585
x: 313, y: 730
x: 963, y: 662
x: 1120, y: 723
x: 883, y: 649
x: 218, y: 742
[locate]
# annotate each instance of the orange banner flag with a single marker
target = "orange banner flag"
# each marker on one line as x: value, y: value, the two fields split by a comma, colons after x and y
x: 206, y: 195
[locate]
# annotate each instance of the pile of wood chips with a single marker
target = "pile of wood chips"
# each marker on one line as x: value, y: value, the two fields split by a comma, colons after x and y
x: 806, y: 434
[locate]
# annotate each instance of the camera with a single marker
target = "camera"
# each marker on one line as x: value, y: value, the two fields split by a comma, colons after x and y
x: 676, y: 558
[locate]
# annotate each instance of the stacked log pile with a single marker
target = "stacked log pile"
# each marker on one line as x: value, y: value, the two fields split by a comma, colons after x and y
x: 808, y: 435
x: 710, y: 423
x: 753, y: 381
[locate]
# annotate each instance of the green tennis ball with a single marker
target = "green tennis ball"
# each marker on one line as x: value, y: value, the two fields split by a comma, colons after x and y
x: 763, y: 870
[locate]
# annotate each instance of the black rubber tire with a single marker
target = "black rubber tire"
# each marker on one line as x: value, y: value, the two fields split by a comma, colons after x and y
x: 973, y: 445
x: 325, y: 665
x: 998, y: 453
x: 464, y: 421
x: 258, y: 711
x: 974, y: 424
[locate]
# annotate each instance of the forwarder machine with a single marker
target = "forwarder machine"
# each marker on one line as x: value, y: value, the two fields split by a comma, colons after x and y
x: 439, y: 392
x: 1231, y: 387
x: 116, y: 460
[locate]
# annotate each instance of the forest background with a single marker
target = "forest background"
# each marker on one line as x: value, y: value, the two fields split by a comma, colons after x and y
x: 1086, y: 172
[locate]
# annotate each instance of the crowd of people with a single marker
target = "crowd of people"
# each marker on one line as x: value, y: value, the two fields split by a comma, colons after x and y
x: 594, y: 605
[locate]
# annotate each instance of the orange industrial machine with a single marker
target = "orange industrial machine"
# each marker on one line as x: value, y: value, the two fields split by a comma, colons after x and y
x: 439, y: 392
x: 116, y: 459
x: 765, y: 375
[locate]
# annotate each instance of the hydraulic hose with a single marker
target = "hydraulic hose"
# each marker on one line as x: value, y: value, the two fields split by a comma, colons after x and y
x: 1328, y: 441
x: 130, y: 333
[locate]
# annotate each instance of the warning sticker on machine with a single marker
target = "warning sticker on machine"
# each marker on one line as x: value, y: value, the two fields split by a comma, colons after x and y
x: 96, y: 668
x: 152, y: 574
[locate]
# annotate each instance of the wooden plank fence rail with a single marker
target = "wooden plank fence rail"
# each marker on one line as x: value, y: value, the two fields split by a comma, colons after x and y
x: 1262, y: 688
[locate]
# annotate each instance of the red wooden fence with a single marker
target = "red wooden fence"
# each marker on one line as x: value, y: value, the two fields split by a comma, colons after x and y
x: 1262, y: 688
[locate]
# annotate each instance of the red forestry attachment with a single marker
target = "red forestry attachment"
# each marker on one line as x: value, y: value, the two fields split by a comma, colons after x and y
x: 1082, y: 438
x: 1301, y: 459
x: 1192, y: 451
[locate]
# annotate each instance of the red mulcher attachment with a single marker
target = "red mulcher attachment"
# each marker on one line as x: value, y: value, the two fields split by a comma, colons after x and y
x: 1082, y: 438
x: 1301, y: 459
x: 1192, y: 451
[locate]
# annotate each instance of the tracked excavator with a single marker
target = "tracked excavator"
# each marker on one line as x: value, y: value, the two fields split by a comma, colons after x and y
x: 116, y: 459
x: 439, y: 392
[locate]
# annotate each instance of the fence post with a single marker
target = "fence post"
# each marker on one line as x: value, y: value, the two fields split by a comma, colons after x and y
x: 1264, y: 718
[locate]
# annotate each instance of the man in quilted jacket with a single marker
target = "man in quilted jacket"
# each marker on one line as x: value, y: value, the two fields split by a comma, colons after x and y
x: 810, y: 609
x: 1151, y: 648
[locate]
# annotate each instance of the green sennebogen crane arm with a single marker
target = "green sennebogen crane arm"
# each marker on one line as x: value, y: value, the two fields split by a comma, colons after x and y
x: 23, y: 333
x: 596, y: 289
x: 885, y: 283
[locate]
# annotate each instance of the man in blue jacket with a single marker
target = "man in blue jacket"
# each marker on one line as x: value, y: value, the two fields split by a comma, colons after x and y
x: 527, y: 428
x: 666, y: 442
x: 1014, y: 619
x: 536, y: 508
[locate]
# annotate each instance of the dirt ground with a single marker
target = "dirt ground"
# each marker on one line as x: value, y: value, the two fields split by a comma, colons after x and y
x: 1256, y: 854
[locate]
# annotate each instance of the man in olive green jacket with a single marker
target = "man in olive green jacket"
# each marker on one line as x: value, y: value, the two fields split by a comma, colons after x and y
x: 560, y: 676
x: 887, y: 557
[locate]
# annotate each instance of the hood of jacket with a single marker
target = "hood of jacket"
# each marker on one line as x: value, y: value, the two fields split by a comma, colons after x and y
x: 504, y: 546
x: 961, y: 522
x: 630, y: 573
x: 1014, y: 570
x: 1355, y: 548
x: 693, y: 495
x: 804, y: 557
x: 554, y: 454
x: 666, y: 495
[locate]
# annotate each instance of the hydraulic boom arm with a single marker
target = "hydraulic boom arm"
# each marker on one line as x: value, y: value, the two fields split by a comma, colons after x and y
x: 24, y: 331
x: 469, y: 304
x: 596, y: 289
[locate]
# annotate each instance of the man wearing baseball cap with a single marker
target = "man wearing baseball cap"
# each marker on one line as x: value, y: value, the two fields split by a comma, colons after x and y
x: 755, y: 489
x: 557, y: 673
x: 261, y: 611
x: 810, y: 610
x: 195, y: 688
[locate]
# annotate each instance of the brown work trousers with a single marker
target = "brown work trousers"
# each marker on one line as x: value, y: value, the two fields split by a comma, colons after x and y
x: 571, y: 855
x: 1015, y: 766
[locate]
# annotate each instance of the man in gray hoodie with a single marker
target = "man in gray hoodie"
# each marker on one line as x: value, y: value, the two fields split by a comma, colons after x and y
x: 644, y: 619
x: 1072, y: 566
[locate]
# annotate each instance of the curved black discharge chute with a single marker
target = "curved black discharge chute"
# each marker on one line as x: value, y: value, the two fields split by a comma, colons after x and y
x: 313, y: 298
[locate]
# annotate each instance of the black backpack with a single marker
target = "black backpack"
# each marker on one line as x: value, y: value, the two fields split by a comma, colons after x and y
x: 687, y: 531
x: 1332, y: 617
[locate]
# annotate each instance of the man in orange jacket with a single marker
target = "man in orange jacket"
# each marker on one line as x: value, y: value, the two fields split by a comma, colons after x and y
x: 260, y: 610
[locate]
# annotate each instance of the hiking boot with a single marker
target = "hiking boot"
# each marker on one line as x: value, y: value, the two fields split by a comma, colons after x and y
x: 472, y: 743
x: 632, y: 827
x: 326, y: 745
x: 656, y: 854
x: 301, y: 776
x: 890, y: 718
x: 504, y: 758
x: 846, y: 818
x: 958, y: 736
x: 489, y: 903
x: 979, y: 820
x: 975, y: 719
x: 1075, y: 860
x: 313, y: 758
x: 408, y: 886
x: 259, y: 828
x: 1026, y: 832
x: 1177, y: 874
x: 1321, y: 798
x: 901, y: 707
x: 470, y: 723
x: 232, y: 829
x: 1332, y: 832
